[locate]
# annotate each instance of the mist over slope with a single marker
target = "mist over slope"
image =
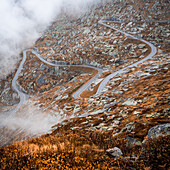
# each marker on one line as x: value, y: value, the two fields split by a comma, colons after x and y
x: 22, y: 21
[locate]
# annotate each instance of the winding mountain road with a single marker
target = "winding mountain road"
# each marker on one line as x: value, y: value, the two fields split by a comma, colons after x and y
x: 152, y: 53
x: 77, y: 94
x: 23, y: 96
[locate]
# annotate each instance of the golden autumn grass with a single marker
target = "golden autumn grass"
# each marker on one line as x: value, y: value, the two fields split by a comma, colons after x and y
x: 79, y: 150
x: 82, y: 149
x: 50, y: 152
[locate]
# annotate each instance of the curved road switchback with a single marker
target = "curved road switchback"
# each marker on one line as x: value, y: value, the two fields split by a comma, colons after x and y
x: 77, y: 94
x: 152, y: 53
x: 23, y: 96
x: 5, y: 117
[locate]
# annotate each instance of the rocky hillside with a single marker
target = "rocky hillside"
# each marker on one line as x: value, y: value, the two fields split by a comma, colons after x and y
x: 126, y: 126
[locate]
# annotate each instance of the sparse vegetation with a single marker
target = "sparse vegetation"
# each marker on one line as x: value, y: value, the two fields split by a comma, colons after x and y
x: 78, y: 150
x: 131, y: 104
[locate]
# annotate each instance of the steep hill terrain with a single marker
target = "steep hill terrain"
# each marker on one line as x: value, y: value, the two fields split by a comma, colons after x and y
x: 122, y: 125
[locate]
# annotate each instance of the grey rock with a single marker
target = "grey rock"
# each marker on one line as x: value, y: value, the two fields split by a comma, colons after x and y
x: 115, y: 152
x: 91, y: 129
x: 136, y: 112
x: 155, y: 114
x: 104, y: 128
x: 65, y: 97
x: 118, y: 92
x: 98, y: 111
x: 84, y: 122
x: 115, y: 134
x: 41, y: 80
x: 76, y: 109
x: 101, y: 125
x: 130, y: 103
x: 166, y: 111
x: 90, y: 100
x: 113, y: 125
x: 159, y: 130
x: 140, y: 101
x: 141, y: 45
x: 74, y: 128
x: 168, y: 98
x: 131, y: 142
x: 110, y: 128
x: 148, y: 115
x: 117, y: 122
x: 129, y: 127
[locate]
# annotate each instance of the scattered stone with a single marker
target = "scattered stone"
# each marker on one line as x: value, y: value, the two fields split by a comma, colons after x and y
x: 41, y: 80
x: 104, y: 128
x: 117, y: 122
x: 131, y: 142
x: 115, y: 152
x: 110, y: 128
x: 98, y: 111
x: 101, y: 125
x: 91, y: 129
x: 113, y: 125
x: 74, y: 128
x: 155, y: 114
x: 141, y: 45
x: 136, y: 112
x: 84, y: 122
x: 65, y: 97
x: 130, y: 103
x: 90, y: 100
x: 118, y: 92
x: 168, y: 98
x: 159, y: 130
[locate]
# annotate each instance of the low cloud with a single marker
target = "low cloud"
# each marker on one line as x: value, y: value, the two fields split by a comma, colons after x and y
x: 22, y: 22
x: 29, y: 122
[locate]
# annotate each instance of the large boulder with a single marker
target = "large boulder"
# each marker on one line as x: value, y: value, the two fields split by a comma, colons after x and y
x: 115, y: 152
x: 159, y: 130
